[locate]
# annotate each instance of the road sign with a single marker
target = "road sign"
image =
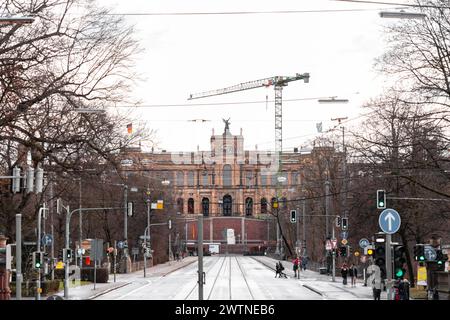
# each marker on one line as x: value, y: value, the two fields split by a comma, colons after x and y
x: 135, y: 251
x: 363, y: 243
x: 344, y: 234
x: 60, y: 265
x: 47, y: 240
x: 344, y: 241
x: 328, y: 245
x: 81, y: 251
x: 120, y: 244
x: 334, y: 243
x: 430, y: 253
x: 356, y: 253
x: 389, y: 221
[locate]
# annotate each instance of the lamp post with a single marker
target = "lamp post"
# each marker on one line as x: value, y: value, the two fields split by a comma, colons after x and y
x: 16, y: 20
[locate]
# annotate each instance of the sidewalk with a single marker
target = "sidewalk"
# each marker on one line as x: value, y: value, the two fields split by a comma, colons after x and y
x: 323, y: 284
x: 87, y: 292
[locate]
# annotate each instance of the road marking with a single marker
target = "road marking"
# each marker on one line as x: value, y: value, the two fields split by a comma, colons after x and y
x: 133, y: 291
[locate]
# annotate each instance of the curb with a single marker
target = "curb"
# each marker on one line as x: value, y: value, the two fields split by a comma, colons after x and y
x: 312, y: 289
x: 107, y: 291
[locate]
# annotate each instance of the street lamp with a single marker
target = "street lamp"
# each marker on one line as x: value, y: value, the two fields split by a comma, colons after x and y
x: 16, y: 20
x: 86, y: 110
x: 333, y: 100
x: 402, y: 15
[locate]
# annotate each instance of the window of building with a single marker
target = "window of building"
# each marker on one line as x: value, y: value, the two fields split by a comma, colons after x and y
x: 248, y: 206
x: 205, y: 207
x: 263, y: 179
x: 283, y: 202
x: 227, y: 205
x: 205, y: 179
x: 263, y: 205
x: 180, y: 178
x: 249, y: 179
x: 227, y: 175
x: 295, y: 178
x: 191, y: 205
x: 191, y: 178
x: 273, y: 179
x: 180, y: 207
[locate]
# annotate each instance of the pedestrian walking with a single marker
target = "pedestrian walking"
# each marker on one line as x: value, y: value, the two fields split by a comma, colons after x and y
x: 376, y: 287
x: 296, y: 263
x: 353, y: 273
x: 277, y: 270
x: 344, y: 272
x: 304, y: 262
x: 403, y: 289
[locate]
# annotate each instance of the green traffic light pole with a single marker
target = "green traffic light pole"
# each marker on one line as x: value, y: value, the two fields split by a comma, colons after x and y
x: 66, y: 266
x: 38, y: 247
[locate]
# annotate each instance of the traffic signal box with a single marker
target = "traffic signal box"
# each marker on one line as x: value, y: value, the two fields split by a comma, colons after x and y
x: 419, y: 252
x: 399, y: 261
x: 381, y: 199
x: 38, y: 260
x: 343, y: 251
x: 379, y: 257
x: 67, y: 255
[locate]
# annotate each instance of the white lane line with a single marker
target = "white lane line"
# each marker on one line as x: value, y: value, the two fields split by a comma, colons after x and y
x: 135, y: 290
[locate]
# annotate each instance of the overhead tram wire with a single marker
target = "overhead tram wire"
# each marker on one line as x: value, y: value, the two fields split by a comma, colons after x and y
x: 396, y: 4
x: 240, y: 12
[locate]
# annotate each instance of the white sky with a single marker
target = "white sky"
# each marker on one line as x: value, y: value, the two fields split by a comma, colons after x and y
x: 195, y: 53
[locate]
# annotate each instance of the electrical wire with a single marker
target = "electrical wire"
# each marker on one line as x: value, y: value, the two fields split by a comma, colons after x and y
x: 396, y: 4
x: 239, y: 12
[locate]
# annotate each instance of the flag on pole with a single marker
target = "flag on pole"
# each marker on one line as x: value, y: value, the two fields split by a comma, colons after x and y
x: 319, y: 127
x: 130, y: 128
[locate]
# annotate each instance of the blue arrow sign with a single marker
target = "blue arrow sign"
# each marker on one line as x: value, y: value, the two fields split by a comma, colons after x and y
x: 389, y: 221
x: 363, y: 243
x: 47, y: 240
x: 120, y: 244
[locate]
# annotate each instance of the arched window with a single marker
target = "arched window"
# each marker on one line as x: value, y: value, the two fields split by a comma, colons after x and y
x: 205, y: 207
x: 248, y: 206
x: 191, y: 178
x: 180, y: 178
x: 283, y: 202
x: 263, y: 205
x: 191, y: 205
x: 227, y: 205
x: 272, y: 201
x: 273, y: 179
x: 180, y: 207
x: 227, y: 175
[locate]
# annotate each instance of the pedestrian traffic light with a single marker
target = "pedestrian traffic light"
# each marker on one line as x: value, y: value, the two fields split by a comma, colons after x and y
x: 344, y: 224
x: 293, y: 216
x: 67, y: 254
x: 381, y: 199
x: 380, y: 258
x: 88, y: 260
x: 38, y: 260
x: 399, y: 261
x: 419, y: 252
x: 338, y: 221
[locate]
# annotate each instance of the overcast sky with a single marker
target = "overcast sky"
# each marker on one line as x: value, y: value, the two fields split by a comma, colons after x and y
x: 192, y: 53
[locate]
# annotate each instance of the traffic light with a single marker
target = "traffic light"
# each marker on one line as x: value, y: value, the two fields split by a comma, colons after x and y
x: 344, y: 223
x: 368, y: 251
x: 419, y: 252
x: 441, y: 257
x: 343, y: 251
x: 67, y: 255
x: 381, y: 199
x: 38, y: 260
x: 399, y: 261
x: 338, y: 221
x: 88, y: 260
x: 380, y: 258
x: 39, y: 180
x: 30, y: 179
x: 293, y: 216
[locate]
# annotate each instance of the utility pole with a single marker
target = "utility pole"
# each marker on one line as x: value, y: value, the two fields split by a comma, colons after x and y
x: 51, y: 212
x: 81, y: 227
x: 18, y: 256
x: 327, y: 210
x: 125, y: 227
x: 200, y: 256
x: 304, y: 227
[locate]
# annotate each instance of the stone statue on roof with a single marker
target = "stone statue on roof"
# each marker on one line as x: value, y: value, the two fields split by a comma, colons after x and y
x: 227, y: 124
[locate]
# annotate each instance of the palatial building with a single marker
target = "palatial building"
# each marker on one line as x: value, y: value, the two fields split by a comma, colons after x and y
x: 233, y: 188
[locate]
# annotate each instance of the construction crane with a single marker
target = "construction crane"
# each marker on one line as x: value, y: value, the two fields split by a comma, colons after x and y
x: 278, y: 82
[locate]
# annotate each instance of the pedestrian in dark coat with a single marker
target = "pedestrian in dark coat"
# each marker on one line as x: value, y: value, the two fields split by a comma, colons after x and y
x: 344, y: 272
x: 353, y: 273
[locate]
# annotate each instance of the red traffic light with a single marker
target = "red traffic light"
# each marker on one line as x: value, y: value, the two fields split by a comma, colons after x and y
x: 88, y: 260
